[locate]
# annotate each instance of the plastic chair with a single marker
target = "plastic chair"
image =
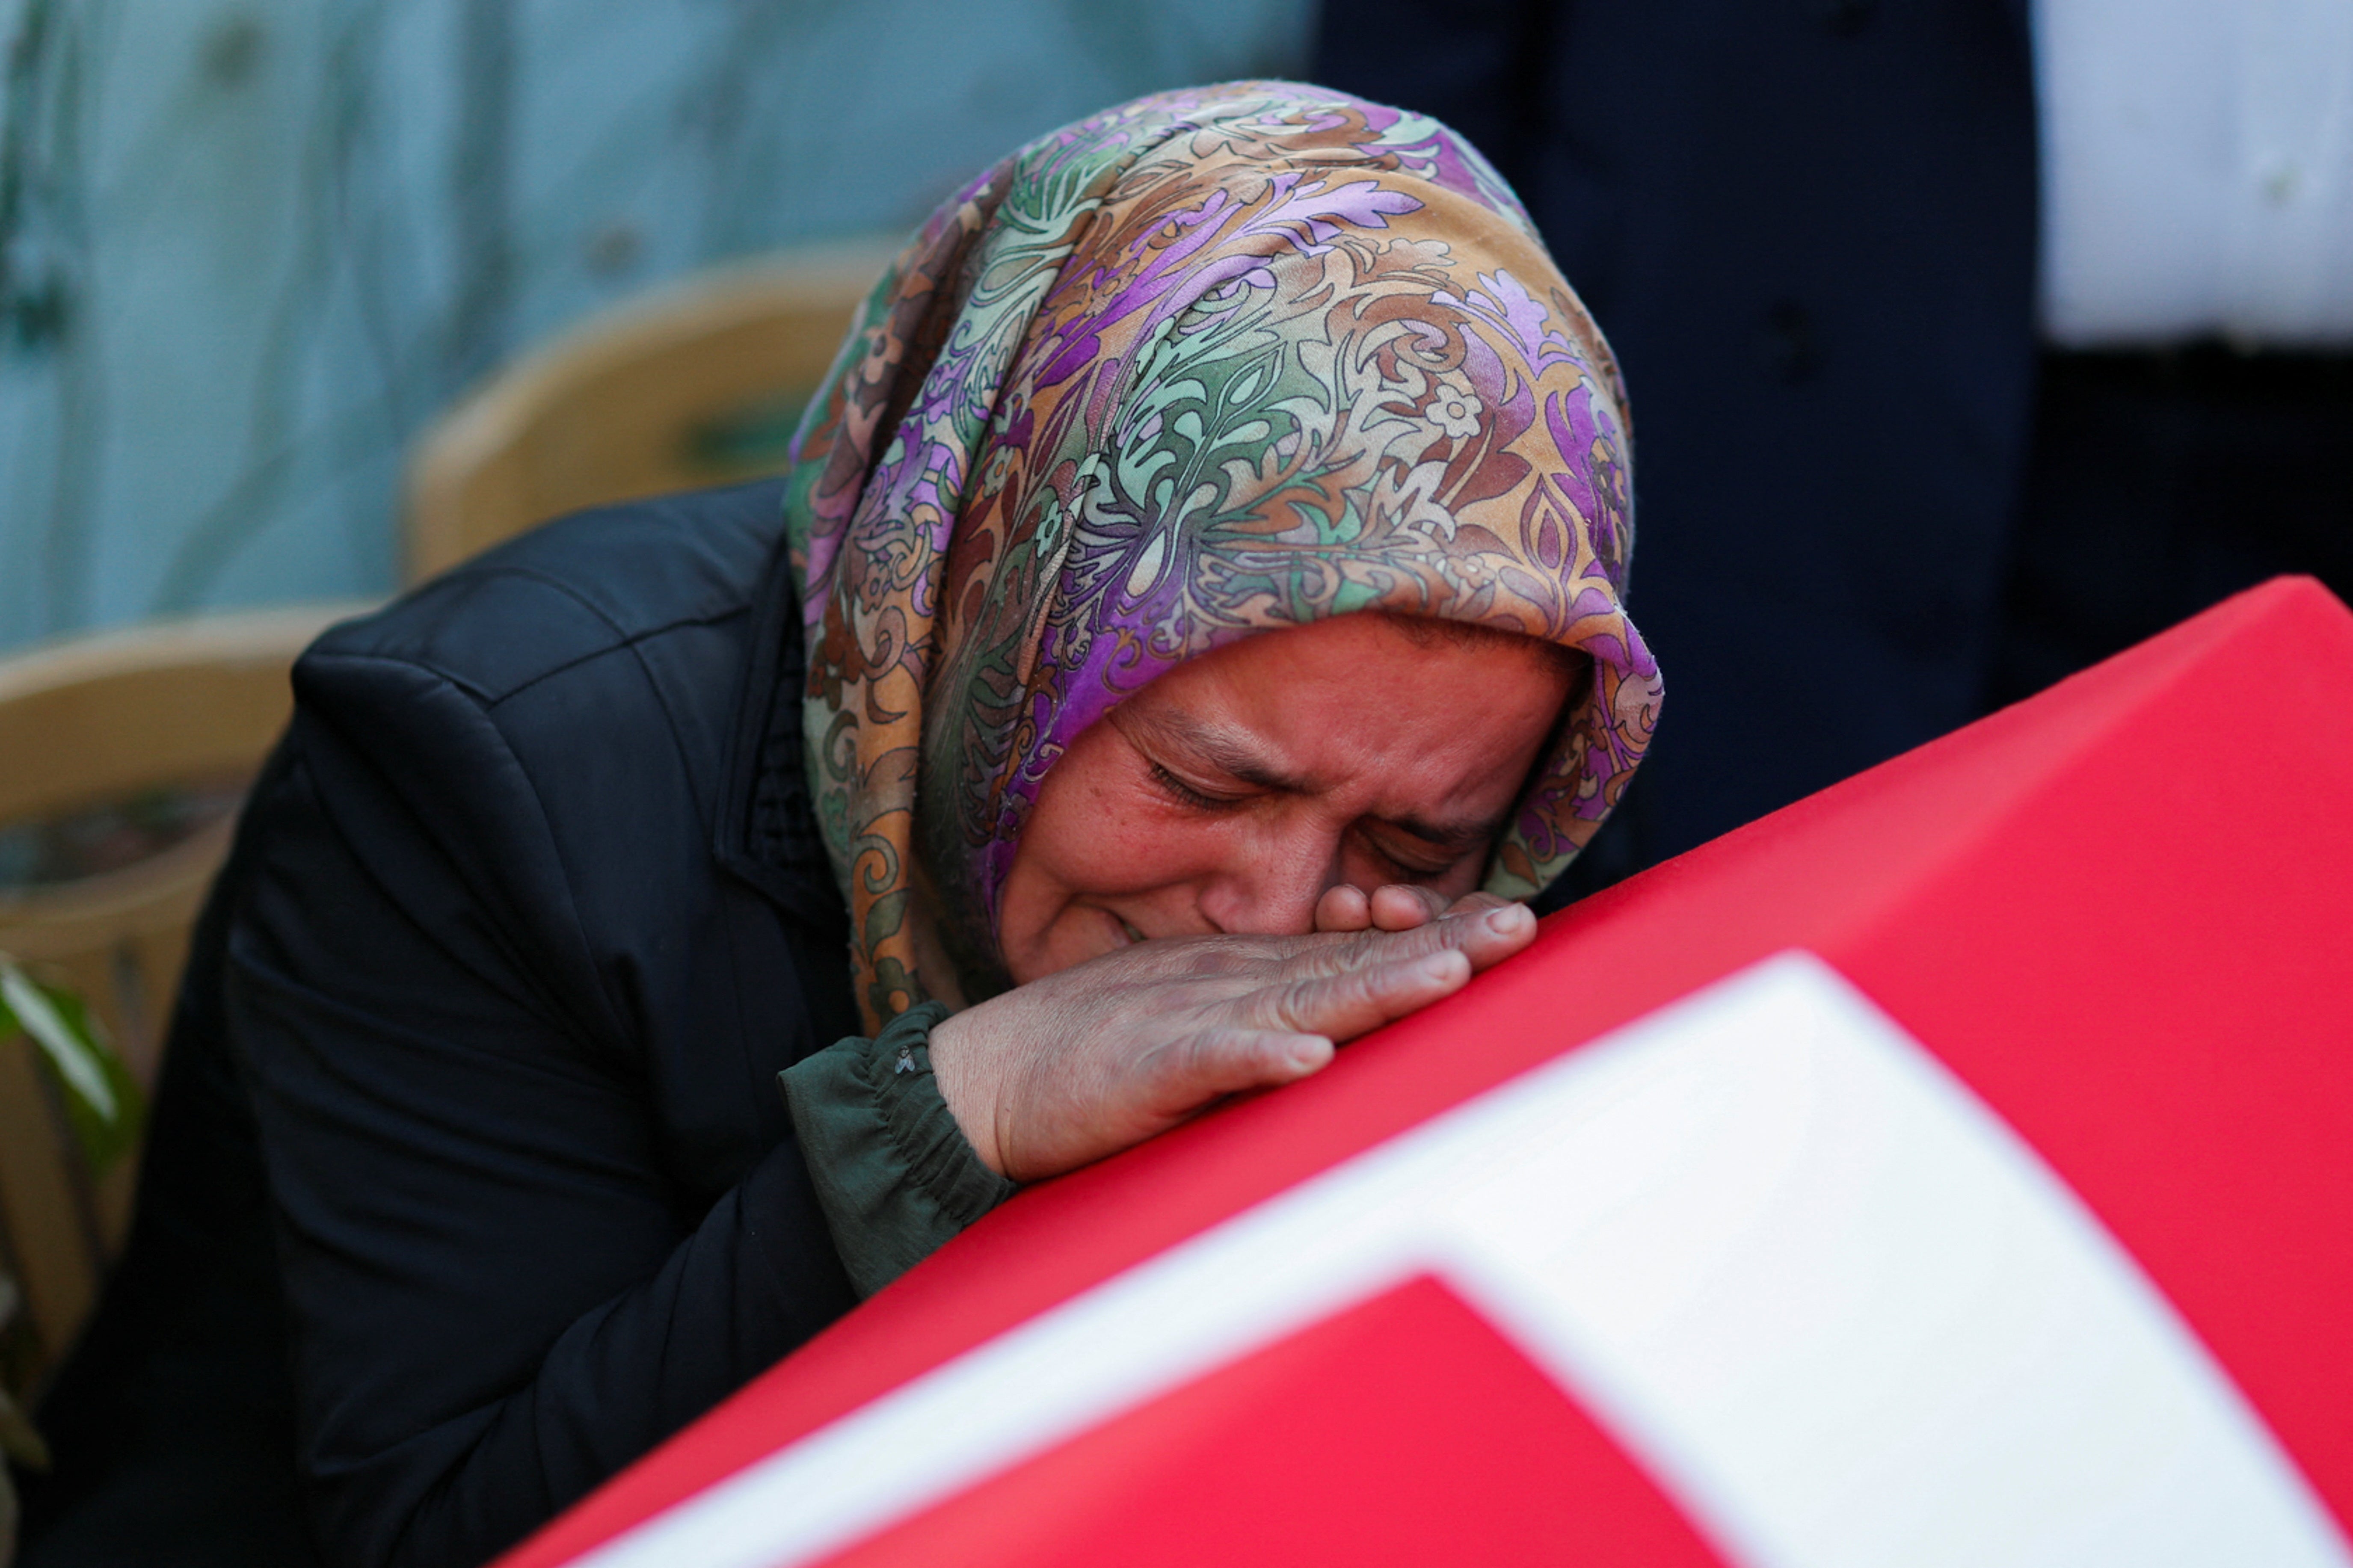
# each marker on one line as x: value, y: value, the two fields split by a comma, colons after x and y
x: 698, y: 384
x: 91, y: 723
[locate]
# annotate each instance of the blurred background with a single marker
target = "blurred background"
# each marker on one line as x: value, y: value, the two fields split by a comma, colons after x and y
x: 249, y: 247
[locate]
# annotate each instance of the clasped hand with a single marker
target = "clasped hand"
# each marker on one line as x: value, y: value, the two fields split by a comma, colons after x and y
x: 1082, y: 1063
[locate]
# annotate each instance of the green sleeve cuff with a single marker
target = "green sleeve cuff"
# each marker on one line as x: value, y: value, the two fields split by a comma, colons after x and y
x: 894, y: 1173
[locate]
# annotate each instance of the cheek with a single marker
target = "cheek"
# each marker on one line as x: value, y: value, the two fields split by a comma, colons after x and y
x: 1099, y: 834
x: 1105, y: 837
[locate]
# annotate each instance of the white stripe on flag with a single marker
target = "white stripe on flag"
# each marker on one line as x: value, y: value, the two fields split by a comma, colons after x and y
x: 1839, y: 1309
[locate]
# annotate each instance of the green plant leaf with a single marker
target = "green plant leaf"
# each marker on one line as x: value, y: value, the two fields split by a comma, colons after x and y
x: 102, y: 1100
x: 74, y: 1054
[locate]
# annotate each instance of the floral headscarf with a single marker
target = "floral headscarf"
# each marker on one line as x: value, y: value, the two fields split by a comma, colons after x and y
x: 1209, y: 363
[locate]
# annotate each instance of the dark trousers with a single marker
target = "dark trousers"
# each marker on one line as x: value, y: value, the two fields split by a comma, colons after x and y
x: 2158, y: 484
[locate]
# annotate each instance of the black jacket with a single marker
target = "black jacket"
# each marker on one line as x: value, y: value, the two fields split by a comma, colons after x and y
x: 1808, y: 228
x: 526, y: 915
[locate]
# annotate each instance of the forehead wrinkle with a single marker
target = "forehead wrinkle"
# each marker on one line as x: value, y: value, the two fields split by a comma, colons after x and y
x: 1226, y: 746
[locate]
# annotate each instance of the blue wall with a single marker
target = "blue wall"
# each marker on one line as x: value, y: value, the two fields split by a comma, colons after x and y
x: 249, y: 247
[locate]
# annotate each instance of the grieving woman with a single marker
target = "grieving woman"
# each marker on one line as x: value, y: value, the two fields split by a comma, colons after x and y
x: 1193, y: 618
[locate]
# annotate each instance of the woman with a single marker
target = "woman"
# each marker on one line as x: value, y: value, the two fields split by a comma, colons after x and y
x: 554, y: 872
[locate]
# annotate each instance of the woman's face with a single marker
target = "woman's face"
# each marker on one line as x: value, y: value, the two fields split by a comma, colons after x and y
x: 1234, y: 791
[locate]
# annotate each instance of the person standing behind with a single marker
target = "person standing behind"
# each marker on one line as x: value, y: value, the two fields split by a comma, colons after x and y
x: 2027, y: 328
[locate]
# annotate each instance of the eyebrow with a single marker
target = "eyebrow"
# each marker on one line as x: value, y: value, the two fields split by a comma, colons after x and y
x: 1231, y: 750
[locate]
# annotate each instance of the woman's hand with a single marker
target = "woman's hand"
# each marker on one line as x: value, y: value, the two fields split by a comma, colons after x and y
x: 1396, y: 906
x: 1087, y: 1061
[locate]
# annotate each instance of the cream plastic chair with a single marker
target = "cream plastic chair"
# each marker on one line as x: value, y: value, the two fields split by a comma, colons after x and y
x: 85, y: 724
x: 698, y: 384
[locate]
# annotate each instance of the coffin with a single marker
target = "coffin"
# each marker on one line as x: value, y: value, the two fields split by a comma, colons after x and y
x: 1954, y: 1167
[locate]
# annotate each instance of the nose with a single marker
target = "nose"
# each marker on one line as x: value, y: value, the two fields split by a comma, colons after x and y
x: 1271, y: 885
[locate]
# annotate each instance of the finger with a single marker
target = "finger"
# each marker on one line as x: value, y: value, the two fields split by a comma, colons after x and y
x: 1400, y: 906
x: 1224, y: 1059
x: 1485, y: 938
x: 1341, y: 1006
x: 1344, y: 907
x: 1477, y: 903
x: 1489, y: 936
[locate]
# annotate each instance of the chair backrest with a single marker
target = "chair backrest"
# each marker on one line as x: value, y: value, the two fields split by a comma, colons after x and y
x: 698, y: 384
x: 83, y: 724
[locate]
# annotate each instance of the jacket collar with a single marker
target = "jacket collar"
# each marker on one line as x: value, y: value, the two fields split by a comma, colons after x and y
x: 766, y: 831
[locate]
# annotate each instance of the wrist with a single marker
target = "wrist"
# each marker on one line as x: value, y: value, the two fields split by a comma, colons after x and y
x: 963, y: 1083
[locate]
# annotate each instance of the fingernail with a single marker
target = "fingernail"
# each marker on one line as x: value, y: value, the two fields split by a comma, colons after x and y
x: 1439, y: 966
x: 1511, y: 918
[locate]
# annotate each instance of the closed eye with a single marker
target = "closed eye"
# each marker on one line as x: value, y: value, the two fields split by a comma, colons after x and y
x: 1185, y: 794
x: 1415, y: 861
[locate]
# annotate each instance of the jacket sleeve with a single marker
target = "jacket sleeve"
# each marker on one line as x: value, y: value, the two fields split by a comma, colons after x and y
x: 498, y: 1294
x: 895, y: 1175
